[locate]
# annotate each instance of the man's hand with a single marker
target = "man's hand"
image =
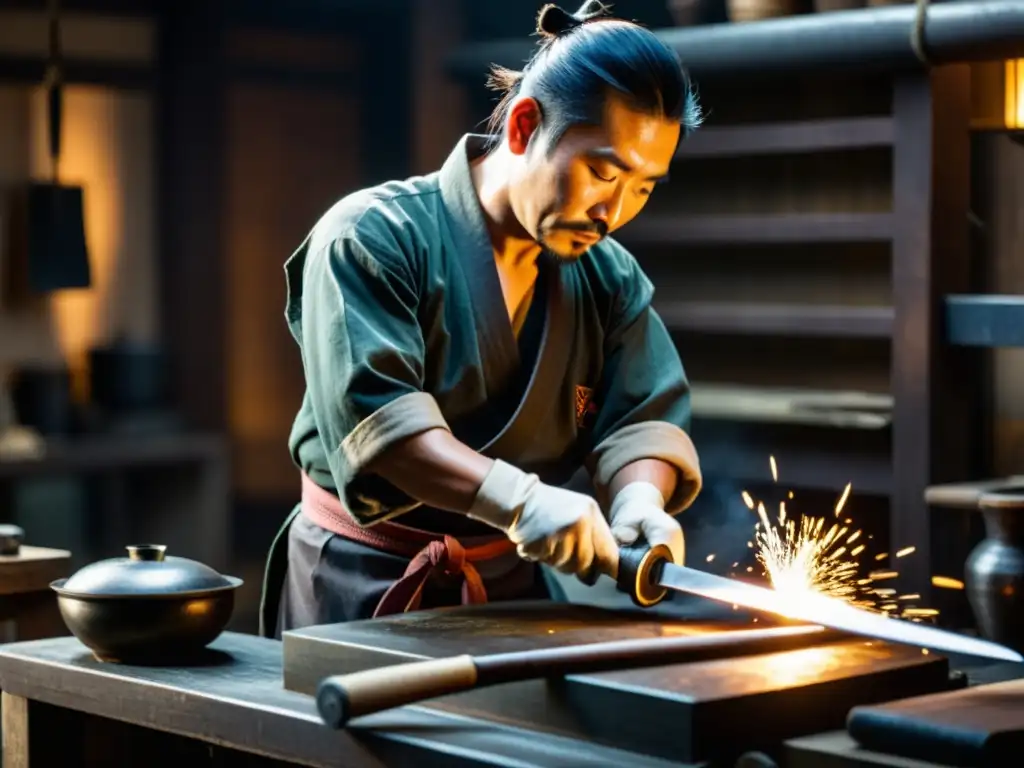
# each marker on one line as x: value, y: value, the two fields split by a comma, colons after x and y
x: 551, y: 525
x: 638, y: 511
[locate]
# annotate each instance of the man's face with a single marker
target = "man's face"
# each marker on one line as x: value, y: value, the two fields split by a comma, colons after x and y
x: 595, y: 180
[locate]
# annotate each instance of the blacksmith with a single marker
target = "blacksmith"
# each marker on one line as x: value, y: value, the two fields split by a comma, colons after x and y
x: 472, y: 338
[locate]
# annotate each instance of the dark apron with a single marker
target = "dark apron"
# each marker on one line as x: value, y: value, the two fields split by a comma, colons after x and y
x: 512, y: 441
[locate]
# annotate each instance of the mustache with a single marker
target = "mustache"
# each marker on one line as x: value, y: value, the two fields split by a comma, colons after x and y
x: 598, y: 228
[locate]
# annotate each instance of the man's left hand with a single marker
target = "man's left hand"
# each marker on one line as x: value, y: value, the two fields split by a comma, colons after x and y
x: 638, y: 511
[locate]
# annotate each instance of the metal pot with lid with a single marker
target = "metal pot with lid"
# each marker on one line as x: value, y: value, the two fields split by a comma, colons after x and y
x: 146, y: 606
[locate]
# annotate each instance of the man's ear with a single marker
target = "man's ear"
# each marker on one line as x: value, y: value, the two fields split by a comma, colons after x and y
x: 523, y: 122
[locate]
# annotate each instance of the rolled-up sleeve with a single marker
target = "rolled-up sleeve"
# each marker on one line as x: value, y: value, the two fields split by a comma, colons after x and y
x: 644, y: 398
x: 363, y: 355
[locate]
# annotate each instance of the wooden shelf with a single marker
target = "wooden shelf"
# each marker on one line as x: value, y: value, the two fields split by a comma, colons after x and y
x: 122, y: 75
x: 802, y: 137
x: 774, y: 405
x: 664, y: 229
x: 777, y: 319
x: 985, y: 321
x: 966, y: 495
x: 99, y: 453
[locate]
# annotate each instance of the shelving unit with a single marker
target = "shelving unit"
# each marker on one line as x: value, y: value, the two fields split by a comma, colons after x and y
x: 934, y: 429
x: 764, y: 228
x: 778, y: 319
x: 798, y: 136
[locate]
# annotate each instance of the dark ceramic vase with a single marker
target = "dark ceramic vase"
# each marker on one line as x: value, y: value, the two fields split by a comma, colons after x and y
x: 994, y: 574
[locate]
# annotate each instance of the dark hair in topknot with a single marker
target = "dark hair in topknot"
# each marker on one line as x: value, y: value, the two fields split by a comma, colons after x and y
x: 582, y: 57
x: 553, y: 21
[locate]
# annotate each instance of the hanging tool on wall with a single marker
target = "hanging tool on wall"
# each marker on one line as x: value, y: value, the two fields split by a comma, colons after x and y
x: 57, y: 254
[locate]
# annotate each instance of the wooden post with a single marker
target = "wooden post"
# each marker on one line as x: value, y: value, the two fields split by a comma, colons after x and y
x: 14, y: 715
x: 934, y: 385
x: 438, y: 103
x: 190, y: 145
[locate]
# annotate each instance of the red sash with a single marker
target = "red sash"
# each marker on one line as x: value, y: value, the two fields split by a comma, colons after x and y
x: 429, y: 552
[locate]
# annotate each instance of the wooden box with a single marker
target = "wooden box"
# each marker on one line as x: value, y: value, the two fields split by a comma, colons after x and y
x: 685, y: 712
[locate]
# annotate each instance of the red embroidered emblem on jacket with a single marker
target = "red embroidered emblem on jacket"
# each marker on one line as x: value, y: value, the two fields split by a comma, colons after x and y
x: 585, y: 406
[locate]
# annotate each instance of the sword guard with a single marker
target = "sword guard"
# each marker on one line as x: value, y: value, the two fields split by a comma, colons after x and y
x: 640, y: 570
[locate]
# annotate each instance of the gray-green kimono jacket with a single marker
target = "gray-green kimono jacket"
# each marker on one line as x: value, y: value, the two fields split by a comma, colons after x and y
x: 395, y: 302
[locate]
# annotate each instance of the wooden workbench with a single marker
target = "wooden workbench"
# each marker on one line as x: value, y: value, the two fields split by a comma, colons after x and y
x: 234, y: 711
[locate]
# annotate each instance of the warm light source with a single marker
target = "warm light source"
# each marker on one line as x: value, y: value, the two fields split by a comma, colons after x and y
x: 1014, y: 94
x: 997, y: 95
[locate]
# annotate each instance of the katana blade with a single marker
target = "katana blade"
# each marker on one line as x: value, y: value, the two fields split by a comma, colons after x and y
x: 825, y: 611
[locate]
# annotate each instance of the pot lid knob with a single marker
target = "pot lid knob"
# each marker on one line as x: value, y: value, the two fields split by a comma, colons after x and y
x: 146, y: 552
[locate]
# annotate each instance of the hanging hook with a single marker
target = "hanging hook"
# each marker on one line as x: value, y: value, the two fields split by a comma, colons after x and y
x: 917, y: 36
x: 54, y: 86
x: 53, y: 64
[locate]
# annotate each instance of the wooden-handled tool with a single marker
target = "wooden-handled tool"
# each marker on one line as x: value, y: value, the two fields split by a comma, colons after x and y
x: 342, y: 697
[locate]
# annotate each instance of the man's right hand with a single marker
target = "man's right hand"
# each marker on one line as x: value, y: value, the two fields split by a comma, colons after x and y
x: 564, y: 529
x: 551, y: 525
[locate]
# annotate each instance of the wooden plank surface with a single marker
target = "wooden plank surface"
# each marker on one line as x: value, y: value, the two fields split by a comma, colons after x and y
x: 234, y: 698
x: 815, y: 685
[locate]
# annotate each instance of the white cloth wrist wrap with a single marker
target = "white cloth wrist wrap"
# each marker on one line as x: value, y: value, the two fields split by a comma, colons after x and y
x: 500, y: 500
x: 639, y: 491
